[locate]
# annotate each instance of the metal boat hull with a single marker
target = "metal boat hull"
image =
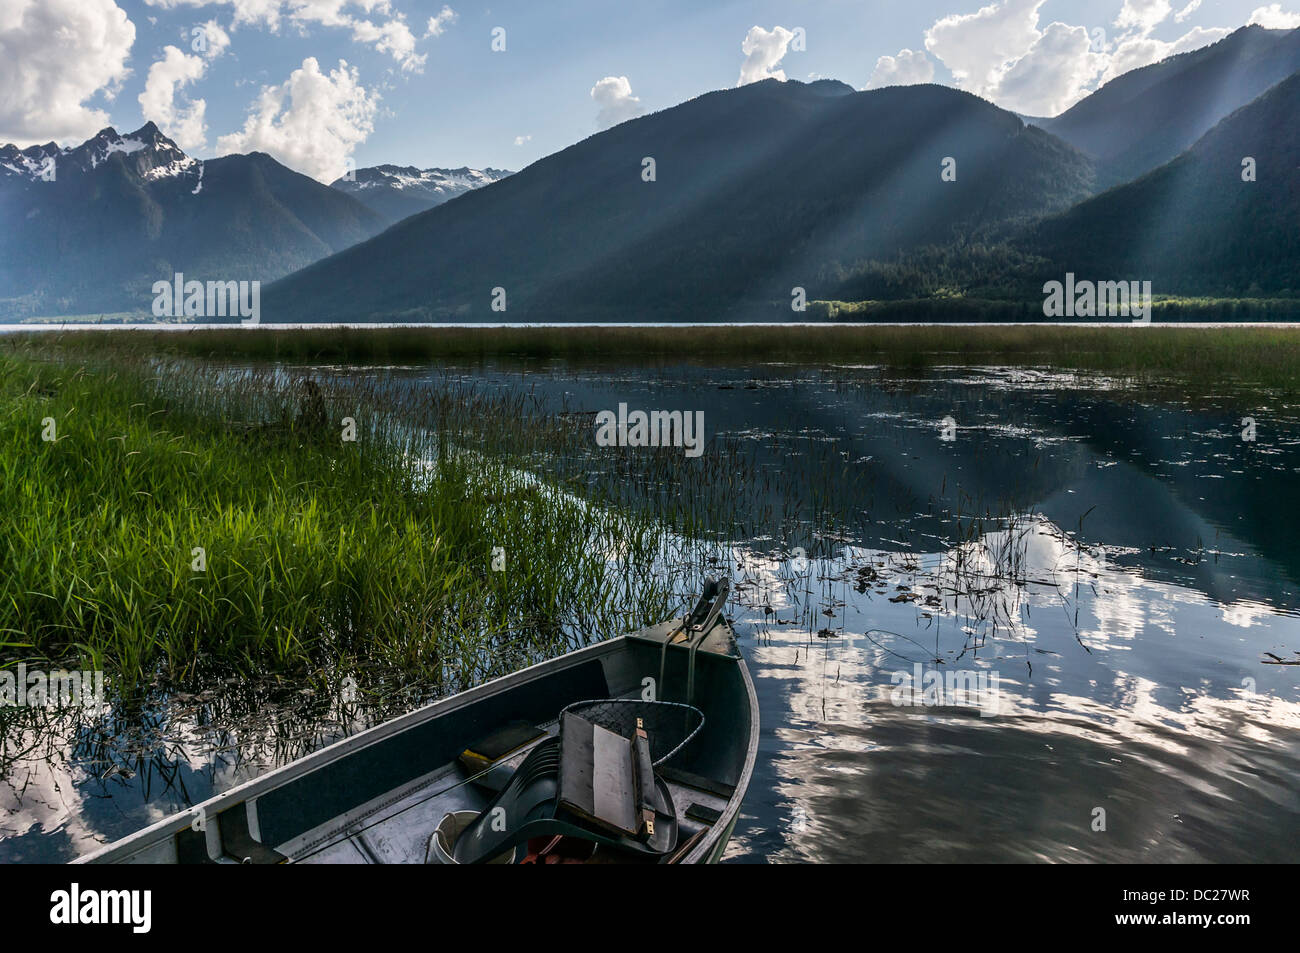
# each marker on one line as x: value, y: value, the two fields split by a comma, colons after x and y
x: 375, y: 797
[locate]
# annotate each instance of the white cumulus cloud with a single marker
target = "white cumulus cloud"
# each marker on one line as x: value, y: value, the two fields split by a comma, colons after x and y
x: 438, y: 25
x: 1187, y: 11
x: 614, y: 101
x: 1054, y: 73
x: 393, y: 37
x: 1273, y: 17
x: 245, y: 12
x: 908, y: 68
x: 214, y: 38
x: 386, y: 33
x: 978, y: 48
x: 1002, y: 54
x: 1143, y: 15
x: 54, y: 56
x: 184, y: 122
x: 312, y: 122
x: 763, y: 50
x: 1138, y: 51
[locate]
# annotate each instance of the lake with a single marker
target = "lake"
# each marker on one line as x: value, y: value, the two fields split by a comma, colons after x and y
x: 992, y: 614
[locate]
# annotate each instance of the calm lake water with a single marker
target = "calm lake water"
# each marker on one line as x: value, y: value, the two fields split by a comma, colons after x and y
x: 1101, y: 574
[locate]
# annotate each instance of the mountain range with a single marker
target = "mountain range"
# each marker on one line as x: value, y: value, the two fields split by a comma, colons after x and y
x: 91, y: 228
x: 775, y: 186
x: 728, y: 206
x: 753, y: 191
x: 396, y: 192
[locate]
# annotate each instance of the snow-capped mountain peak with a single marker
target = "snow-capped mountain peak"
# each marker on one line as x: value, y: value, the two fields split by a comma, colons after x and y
x: 147, y: 151
x: 397, y: 191
x: 445, y: 182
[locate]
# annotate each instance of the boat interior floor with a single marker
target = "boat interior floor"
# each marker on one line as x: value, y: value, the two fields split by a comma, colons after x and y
x: 395, y: 827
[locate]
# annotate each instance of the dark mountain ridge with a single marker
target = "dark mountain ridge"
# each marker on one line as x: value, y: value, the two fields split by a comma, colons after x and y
x: 1195, y: 226
x: 755, y: 190
x: 1148, y: 116
x: 121, y: 212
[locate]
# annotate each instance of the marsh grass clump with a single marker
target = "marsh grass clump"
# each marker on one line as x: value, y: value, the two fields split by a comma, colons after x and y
x: 168, y: 521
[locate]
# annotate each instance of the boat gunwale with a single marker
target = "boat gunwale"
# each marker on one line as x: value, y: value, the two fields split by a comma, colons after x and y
x: 724, y: 825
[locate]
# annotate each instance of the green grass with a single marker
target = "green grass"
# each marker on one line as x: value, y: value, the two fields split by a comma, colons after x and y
x: 319, y: 552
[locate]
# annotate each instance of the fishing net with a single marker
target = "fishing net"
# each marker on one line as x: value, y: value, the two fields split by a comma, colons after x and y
x: 669, y: 725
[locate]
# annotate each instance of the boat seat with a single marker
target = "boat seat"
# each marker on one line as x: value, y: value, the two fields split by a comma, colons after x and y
x: 590, y: 783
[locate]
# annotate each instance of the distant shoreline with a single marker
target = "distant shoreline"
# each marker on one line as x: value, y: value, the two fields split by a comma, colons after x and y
x: 1264, y: 353
x: 76, y: 326
x: 911, y: 312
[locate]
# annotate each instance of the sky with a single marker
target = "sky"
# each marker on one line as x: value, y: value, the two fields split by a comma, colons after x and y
x: 325, y: 85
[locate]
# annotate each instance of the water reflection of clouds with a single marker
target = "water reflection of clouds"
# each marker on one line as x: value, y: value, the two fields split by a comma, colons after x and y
x: 1244, y: 614
x: 1185, y: 733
